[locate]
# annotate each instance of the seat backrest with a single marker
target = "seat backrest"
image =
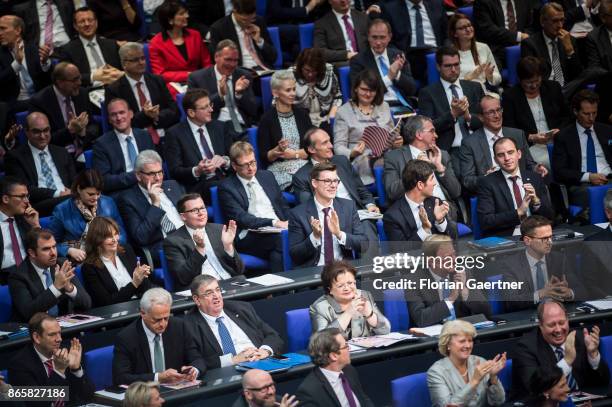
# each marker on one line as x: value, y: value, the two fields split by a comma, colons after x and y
x: 494, y: 295
x: 252, y: 138
x: 179, y: 102
x: 513, y: 55
x: 99, y: 366
x: 44, y: 222
x: 275, y: 37
x: 261, y: 7
x: 396, y: 310
x: 605, y: 346
x: 287, y: 263
x: 145, y: 49
x: 266, y: 92
x: 6, y: 304
x: 216, y: 205
x: 168, y: 278
x: 88, y: 158
x: 306, y: 35
x: 596, y: 198
x: 380, y: 185
x: 468, y: 11
x: 505, y: 376
x: 144, y: 27
x: 474, y: 215
x: 299, y: 328
x: 411, y: 391
x: 20, y: 119
x: 432, y: 71
x: 345, y: 82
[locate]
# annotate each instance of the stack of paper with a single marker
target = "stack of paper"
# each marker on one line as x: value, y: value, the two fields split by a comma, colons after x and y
x: 380, y: 341
x: 601, y: 305
x: 365, y: 214
x: 76, y: 319
x: 433, y: 330
x: 270, y: 279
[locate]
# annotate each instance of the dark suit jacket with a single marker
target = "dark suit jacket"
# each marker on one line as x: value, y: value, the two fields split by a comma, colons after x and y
x: 20, y: 163
x: 598, y: 279
x: 365, y: 60
x: 533, y: 352
x: 475, y: 156
x: 496, y: 203
x: 396, y: 13
x: 426, y: 308
x: 269, y: 132
x: 9, y: 80
x: 205, y: 78
x: 224, y: 29
x: 108, y: 159
x: 74, y: 52
x: 235, y: 202
x: 328, y: 35
x: 599, y: 50
x: 46, y: 102
x: 242, y: 314
x: 206, y: 13
x: 168, y: 110
x: 132, y: 357
x: 23, y: 227
x: 185, y: 262
x: 573, y: 13
x: 112, y: 22
x: 182, y: 152
x: 283, y: 12
x: 29, y: 13
x: 399, y: 223
x: 517, y: 113
x: 30, y: 296
x: 302, y: 251
x: 315, y: 390
x: 103, y: 289
x: 433, y: 103
x: 26, y: 369
x: 536, y: 46
x: 143, y: 220
x: 348, y: 176
x: 567, y: 154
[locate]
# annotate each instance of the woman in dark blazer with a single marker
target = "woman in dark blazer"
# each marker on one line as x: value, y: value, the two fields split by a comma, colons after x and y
x: 112, y: 273
x: 117, y: 19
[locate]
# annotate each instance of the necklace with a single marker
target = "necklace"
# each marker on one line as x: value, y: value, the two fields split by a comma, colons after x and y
x: 365, y: 112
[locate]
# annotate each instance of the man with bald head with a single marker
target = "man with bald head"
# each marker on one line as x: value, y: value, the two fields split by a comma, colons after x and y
x: 258, y: 390
x: 67, y: 106
x: 46, y: 169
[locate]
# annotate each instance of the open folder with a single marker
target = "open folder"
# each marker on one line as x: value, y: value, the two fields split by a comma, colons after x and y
x: 284, y: 362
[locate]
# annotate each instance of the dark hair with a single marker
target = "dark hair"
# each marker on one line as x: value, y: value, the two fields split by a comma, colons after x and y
x: 415, y: 171
x: 544, y: 303
x: 59, y: 72
x: 99, y: 229
x: 319, y: 168
x: 307, y: 139
x: 584, y: 95
x: 166, y: 12
x: 199, y: 280
x: 117, y: 100
x: 378, y: 21
x: 542, y: 380
x: 446, y: 50
x: 180, y: 205
x: 452, y: 22
x: 192, y: 96
x: 532, y: 222
x: 529, y: 67
x: 313, y: 57
x: 8, y: 183
x: 244, y: 6
x: 18, y: 23
x: 31, y: 238
x: 321, y: 344
x: 88, y: 178
x: 548, y: 8
x: 412, y: 125
x: 83, y: 9
x: 503, y: 140
x: 225, y: 44
x: 369, y: 79
x: 35, y: 325
x: 331, y: 272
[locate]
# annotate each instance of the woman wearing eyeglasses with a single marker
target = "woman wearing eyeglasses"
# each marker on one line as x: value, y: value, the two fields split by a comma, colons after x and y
x: 345, y: 307
x: 112, y: 273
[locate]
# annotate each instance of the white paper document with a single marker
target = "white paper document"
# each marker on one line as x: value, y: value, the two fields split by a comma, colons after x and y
x: 433, y: 330
x: 601, y: 305
x: 270, y: 279
x: 365, y: 214
x: 111, y: 395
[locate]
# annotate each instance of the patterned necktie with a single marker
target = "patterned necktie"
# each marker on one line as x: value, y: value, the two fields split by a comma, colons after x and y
x: 446, y: 292
x: 159, y: 362
x: 385, y: 71
x: 68, y: 109
x: 556, y: 63
x: 131, y: 148
x: 14, y: 242
x: 350, y: 32
x: 142, y: 99
x: 420, y: 34
x: 590, y: 153
x: 48, y: 35
x: 571, y: 382
x: 518, y: 199
x: 96, y: 56
x: 49, y: 366
x: 511, y: 17
x: 46, y: 171
x: 461, y: 120
x: 226, y: 339
x: 252, y: 197
x: 346, y: 386
x: 53, y: 311
x: 231, y: 106
x: 328, y: 242
x: 207, y: 153
x: 248, y: 42
x: 540, y: 280
x: 167, y: 225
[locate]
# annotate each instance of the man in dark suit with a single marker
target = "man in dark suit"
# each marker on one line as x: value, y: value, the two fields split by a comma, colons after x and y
x: 580, y: 16
x: 389, y: 63
x: 476, y: 158
x: 582, y: 153
x: 418, y: 214
x: 253, y: 199
x: 542, y: 272
x: 114, y: 153
x: 598, y: 46
x: 228, y: 332
x: 156, y: 346
x: 419, y: 27
x: 249, y: 31
x: 341, y: 33
x: 330, y: 355
x: 96, y: 57
x: 430, y: 306
x: 499, y: 27
x: 200, y: 247
x: 146, y: 94
x: 507, y: 196
x: 45, y: 363
x: 24, y: 68
x: 39, y: 284
x: 453, y: 103
x: 46, y: 169
x: 149, y: 207
x: 598, y: 280
x: 552, y: 344
x: 325, y: 228
x: 258, y: 389
x: 55, y: 35
x: 420, y: 142
x: 229, y: 87
x: 555, y: 47
x: 68, y: 108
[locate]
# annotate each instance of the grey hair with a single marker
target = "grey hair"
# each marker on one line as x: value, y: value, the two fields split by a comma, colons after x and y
x: 608, y: 200
x: 147, y: 157
x: 452, y: 328
x: 281, y: 76
x: 225, y: 44
x: 139, y: 394
x: 321, y: 344
x: 198, y: 281
x: 412, y: 126
x: 128, y: 47
x: 155, y: 296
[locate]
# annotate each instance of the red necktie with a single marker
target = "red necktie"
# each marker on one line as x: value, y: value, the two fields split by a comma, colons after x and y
x: 511, y: 17
x: 328, y: 241
x: 48, y: 34
x: 14, y: 242
x: 49, y: 366
x: 248, y: 42
x: 143, y: 100
x: 517, y: 191
x: 350, y: 32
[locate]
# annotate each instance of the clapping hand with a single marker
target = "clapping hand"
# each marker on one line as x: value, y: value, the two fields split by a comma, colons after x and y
x: 141, y: 272
x: 591, y: 341
x: 228, y: 233
x: 242, y: 84
x: 151, y: 111
x: 74, y: 354
x: 441, y: 209
x: 63, y: 275
x: 316, y: 228
x: 424, y: 219
x: 333, y: 223
x: 499, y: 362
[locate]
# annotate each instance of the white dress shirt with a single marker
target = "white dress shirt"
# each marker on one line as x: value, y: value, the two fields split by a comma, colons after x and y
x: 428, y: 33
x: 336, y: 384
x: 449, y: 98
x: 90, y: 59
x: 145, y: 90
x: 150, y: 340
x: 437, y: 192
x: 166, y: 205
x: 491, y: 137
x: 57, y: 180
x: 211, y: 266
x: 504, y: 7
x: 120, y: 275
x: 124, y: 148
x: 262, y: 207
x: 347, y: 40
x: 195, y: 133
x: 57, y: 293
x: 224, y: 114
x: 537, y: 111
x: 319, y: 242
x: 519, y: 182
x: 247, y: 60
x: 414, y: 208
x: 8, y: 260
x: 60, y: 37
x: 390, y: 94
x: 602, y: 164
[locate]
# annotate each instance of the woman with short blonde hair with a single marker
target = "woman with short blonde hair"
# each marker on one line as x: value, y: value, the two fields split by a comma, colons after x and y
x: 143, y: 394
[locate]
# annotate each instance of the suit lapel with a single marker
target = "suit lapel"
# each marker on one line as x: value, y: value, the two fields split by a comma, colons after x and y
x: 29, y: 165
x: 128, y: 94
x: 215, y: 139
x: 269, y: 192
x: 604, y: 140
x: 326, y: 386
x: 335, y: 26
x: 143, y: 343
x: 407, y: 214
x: 170, y: 192
x: 207, y: 333
x: 81, y: 55
x: 240, y: 321
x: 116, y: 151
x: 347, y: 181
x: 524, y: 265
x: 486, y: 152
x: 153, y: 91
x: 192, y: 145
x: 440, y: 97
x: 502, y: 185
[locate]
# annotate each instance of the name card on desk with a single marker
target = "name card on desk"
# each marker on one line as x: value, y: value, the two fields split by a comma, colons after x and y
x: 69, y: 320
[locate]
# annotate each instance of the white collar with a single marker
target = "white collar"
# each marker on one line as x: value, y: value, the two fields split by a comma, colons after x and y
x: 212, y: 320
x: 321, y: 207
x: 413, y: 205
x: 517, y: 173
x: 133, y: 82
x: 150, y: 334
x: 36, y: 151
x: 339, y: 16
x: 490, y: 134
x: 194, y: 127
x: 124, y: 136
x: 85, y: 41
x: 446, y: 84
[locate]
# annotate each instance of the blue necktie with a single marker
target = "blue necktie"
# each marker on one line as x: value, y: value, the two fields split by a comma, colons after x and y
x: 420, y: 35
x: 571, y: 382
x: 445, y: 294
x: 385, y: 71
x: 226, y: 339
x: 27, y: 80
x: 48, y: 281
x: 590, y: 153
x: 46, y: 171
x: 540, y: 280
x: 131, y: 149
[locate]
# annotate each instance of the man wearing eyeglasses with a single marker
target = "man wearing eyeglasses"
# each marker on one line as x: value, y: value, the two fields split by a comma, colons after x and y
x: 259, y: 390
x: 200, y: 247
x: 228, y: 332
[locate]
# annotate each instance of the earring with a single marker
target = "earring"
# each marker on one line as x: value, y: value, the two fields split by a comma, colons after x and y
x: 547, y: 396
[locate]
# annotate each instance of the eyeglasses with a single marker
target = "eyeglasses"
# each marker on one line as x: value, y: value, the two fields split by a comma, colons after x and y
x: 136, y: 59
x: 491, y: 113
x: 366, y: 90
x: 209, y: 293
x: 327, y: 182
x: 249, y: 164
x: 210, y: 106
x: 196, y: 211
x: 450, y: 66
x: 464, y: 27
x: 349, y: 284
x: 263, y: 388
x: 341, y: 348
x: 542, y: 239
x: 38, y: 132
x: 23, y: 197
x: 159, y: 173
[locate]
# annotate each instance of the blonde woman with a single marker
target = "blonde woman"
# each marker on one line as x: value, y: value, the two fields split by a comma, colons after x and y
x: 141, y: 394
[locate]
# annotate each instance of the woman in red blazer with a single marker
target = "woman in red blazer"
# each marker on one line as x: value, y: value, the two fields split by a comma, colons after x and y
x: 176, y: 51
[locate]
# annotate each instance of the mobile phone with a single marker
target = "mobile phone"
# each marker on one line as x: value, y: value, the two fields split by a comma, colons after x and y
x: 185, y: 370
x: 279, y: 357
x: 549, y: 133
x: 241, y: 283
x: 586, y: 309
